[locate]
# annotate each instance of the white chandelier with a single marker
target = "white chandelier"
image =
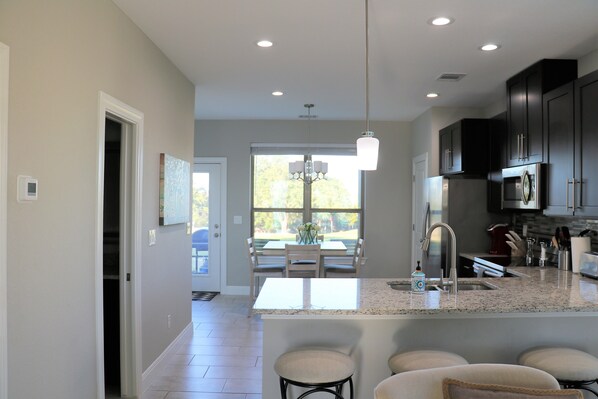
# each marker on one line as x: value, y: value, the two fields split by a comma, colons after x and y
x: 307, y: 170
x: 367, y: 144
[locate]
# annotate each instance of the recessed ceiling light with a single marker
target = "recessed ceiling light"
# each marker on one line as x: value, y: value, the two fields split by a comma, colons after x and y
x: 277, y: 93
x: 490, y: 47
x: 432, y: 95
x: 264, y: 43
x: 441, y: 21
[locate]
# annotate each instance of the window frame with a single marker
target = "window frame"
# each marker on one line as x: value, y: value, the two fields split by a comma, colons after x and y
x: 307, y: 210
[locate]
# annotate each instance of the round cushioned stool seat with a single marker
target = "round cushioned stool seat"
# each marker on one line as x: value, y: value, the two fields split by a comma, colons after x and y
x: 423, y: 359
x: 564, y: 364
x: 314, y: 366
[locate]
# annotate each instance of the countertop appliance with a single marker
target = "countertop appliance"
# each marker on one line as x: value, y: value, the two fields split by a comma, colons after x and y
x: 498, y: 239
x: 461, y: 203
x: 523, y: 187
x: 588, y: 264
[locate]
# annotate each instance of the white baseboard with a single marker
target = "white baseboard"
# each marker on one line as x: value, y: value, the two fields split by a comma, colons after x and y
x: 156, y: 368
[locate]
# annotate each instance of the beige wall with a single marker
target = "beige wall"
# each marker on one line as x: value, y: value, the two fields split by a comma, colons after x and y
x: 63, y: 53
x: 388, y: 190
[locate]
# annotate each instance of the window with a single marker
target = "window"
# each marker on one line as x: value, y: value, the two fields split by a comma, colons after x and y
x: 280, y: 205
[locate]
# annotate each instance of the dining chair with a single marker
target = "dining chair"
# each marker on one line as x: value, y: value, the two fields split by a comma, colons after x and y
x: 258, y: 270
x: 303, y: 260
x: 346, y: 266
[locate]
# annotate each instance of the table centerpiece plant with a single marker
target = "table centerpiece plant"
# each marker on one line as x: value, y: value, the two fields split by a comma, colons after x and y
x: 308, y: 233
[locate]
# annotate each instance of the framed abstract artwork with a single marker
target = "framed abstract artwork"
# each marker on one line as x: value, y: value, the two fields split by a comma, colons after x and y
x: 175, y: 190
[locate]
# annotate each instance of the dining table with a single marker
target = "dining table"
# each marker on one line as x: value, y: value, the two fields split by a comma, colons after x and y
x: 327, y: 248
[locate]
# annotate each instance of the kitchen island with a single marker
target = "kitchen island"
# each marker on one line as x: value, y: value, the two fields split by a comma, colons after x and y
x: 370, y: 321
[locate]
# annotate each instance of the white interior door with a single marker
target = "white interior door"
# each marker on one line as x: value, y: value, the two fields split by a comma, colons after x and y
x: 4, y: 53
x: 419, y: 199
x: 206, y: 227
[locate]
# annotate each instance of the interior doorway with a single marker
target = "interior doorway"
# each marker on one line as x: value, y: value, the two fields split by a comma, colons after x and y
x: 208, y: 256
x: 118, y: 249
x: 419, y: 201
x: 113, y: 200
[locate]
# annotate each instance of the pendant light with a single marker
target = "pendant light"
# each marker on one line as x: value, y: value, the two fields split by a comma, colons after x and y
x: 308, y: 171
x: 367, y: 144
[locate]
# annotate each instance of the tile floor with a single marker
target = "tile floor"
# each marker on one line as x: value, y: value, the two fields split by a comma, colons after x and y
x: 223, y: 359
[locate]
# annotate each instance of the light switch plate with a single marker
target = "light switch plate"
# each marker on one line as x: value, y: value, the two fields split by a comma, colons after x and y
x: 238, y: 219
x: 152, y: 237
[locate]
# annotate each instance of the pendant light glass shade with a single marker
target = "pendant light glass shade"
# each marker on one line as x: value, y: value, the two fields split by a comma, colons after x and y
x: 367, y: 151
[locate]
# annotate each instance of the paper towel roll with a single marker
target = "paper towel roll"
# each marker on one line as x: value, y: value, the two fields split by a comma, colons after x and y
x: 579, y: 245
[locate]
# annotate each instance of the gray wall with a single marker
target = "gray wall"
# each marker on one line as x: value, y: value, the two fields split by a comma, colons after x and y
x: 388, y: 190
x: 62, y: 54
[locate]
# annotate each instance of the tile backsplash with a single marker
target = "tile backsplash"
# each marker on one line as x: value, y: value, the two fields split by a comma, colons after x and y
x: 539, y: 225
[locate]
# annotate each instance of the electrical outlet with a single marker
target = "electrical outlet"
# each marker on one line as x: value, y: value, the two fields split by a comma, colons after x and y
x: 169, y: 320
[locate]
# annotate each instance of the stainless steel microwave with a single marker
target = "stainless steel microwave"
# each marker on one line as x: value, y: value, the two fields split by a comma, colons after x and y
x: 523, y: 187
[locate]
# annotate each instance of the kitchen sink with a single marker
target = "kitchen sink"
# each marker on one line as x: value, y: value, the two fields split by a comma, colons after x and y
x: 463, y: 286
x: 474, y: 286
x: 406, y: 286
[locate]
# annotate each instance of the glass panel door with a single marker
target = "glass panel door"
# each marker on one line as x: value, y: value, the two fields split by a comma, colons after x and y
x: 205, y: 227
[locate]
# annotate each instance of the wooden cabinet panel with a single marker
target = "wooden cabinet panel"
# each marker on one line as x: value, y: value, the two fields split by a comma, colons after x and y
x: 586, y: 145
x: 571, y: 148
x: 524, y: 107
x: 464, y: 148
x: 559, y: 150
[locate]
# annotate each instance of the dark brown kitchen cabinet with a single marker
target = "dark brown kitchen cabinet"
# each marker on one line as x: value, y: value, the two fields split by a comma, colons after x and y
x: 497, y: 128
x: 524, y: 107
x: 585, y: 183
x: 464, y: 148
x: 571, y: 148
x: 559, y: 128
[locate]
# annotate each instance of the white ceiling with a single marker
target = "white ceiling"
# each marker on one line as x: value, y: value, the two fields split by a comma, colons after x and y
x: 319, y: 51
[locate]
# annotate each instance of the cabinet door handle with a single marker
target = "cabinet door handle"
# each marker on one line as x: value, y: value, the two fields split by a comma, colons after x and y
x: 574, y: 204
x: 450, y: 159
x: 567, y: 195
x: 524, y: 154
x: 519, y: 147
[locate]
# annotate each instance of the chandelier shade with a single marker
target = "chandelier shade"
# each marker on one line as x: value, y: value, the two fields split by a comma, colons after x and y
x: 307, y: 170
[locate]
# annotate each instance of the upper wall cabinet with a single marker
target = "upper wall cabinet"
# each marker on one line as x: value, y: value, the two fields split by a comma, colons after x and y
x: 570, y: 148
x: 524, y: 107
x: 464, y: 148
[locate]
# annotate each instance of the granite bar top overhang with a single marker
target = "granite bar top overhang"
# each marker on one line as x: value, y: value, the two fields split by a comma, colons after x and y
x: 539, y: 290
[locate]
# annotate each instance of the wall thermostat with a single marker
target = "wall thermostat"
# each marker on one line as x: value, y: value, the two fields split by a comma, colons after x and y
x: 27, y: 188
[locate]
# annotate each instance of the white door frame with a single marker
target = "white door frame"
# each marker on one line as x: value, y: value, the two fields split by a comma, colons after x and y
x: 4, y: 64
x: 416, y: 218
x: 223, y: 222
x: 130, y: 302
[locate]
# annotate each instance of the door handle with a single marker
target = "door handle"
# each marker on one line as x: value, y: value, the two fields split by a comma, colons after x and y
x: 216, y: 235
x: 216, y: 225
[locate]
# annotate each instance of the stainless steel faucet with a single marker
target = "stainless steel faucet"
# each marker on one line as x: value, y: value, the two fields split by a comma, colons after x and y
x: 426, y: 243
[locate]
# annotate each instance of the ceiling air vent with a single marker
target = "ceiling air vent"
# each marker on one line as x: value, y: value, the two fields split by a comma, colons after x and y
x: 451, y: 77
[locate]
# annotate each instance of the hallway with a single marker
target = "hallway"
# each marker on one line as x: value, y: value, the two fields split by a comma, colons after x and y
x: 223, y: 359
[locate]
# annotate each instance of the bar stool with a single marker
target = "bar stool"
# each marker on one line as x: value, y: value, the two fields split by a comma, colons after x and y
x: 320, y: 370
x: 571, y: 367
x: 423, y: 359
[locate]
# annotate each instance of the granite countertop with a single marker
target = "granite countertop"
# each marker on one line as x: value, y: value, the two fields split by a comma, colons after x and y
x: 539, y: 290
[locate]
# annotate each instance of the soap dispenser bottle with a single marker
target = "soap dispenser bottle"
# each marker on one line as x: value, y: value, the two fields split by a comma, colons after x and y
x: 418, y: 280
